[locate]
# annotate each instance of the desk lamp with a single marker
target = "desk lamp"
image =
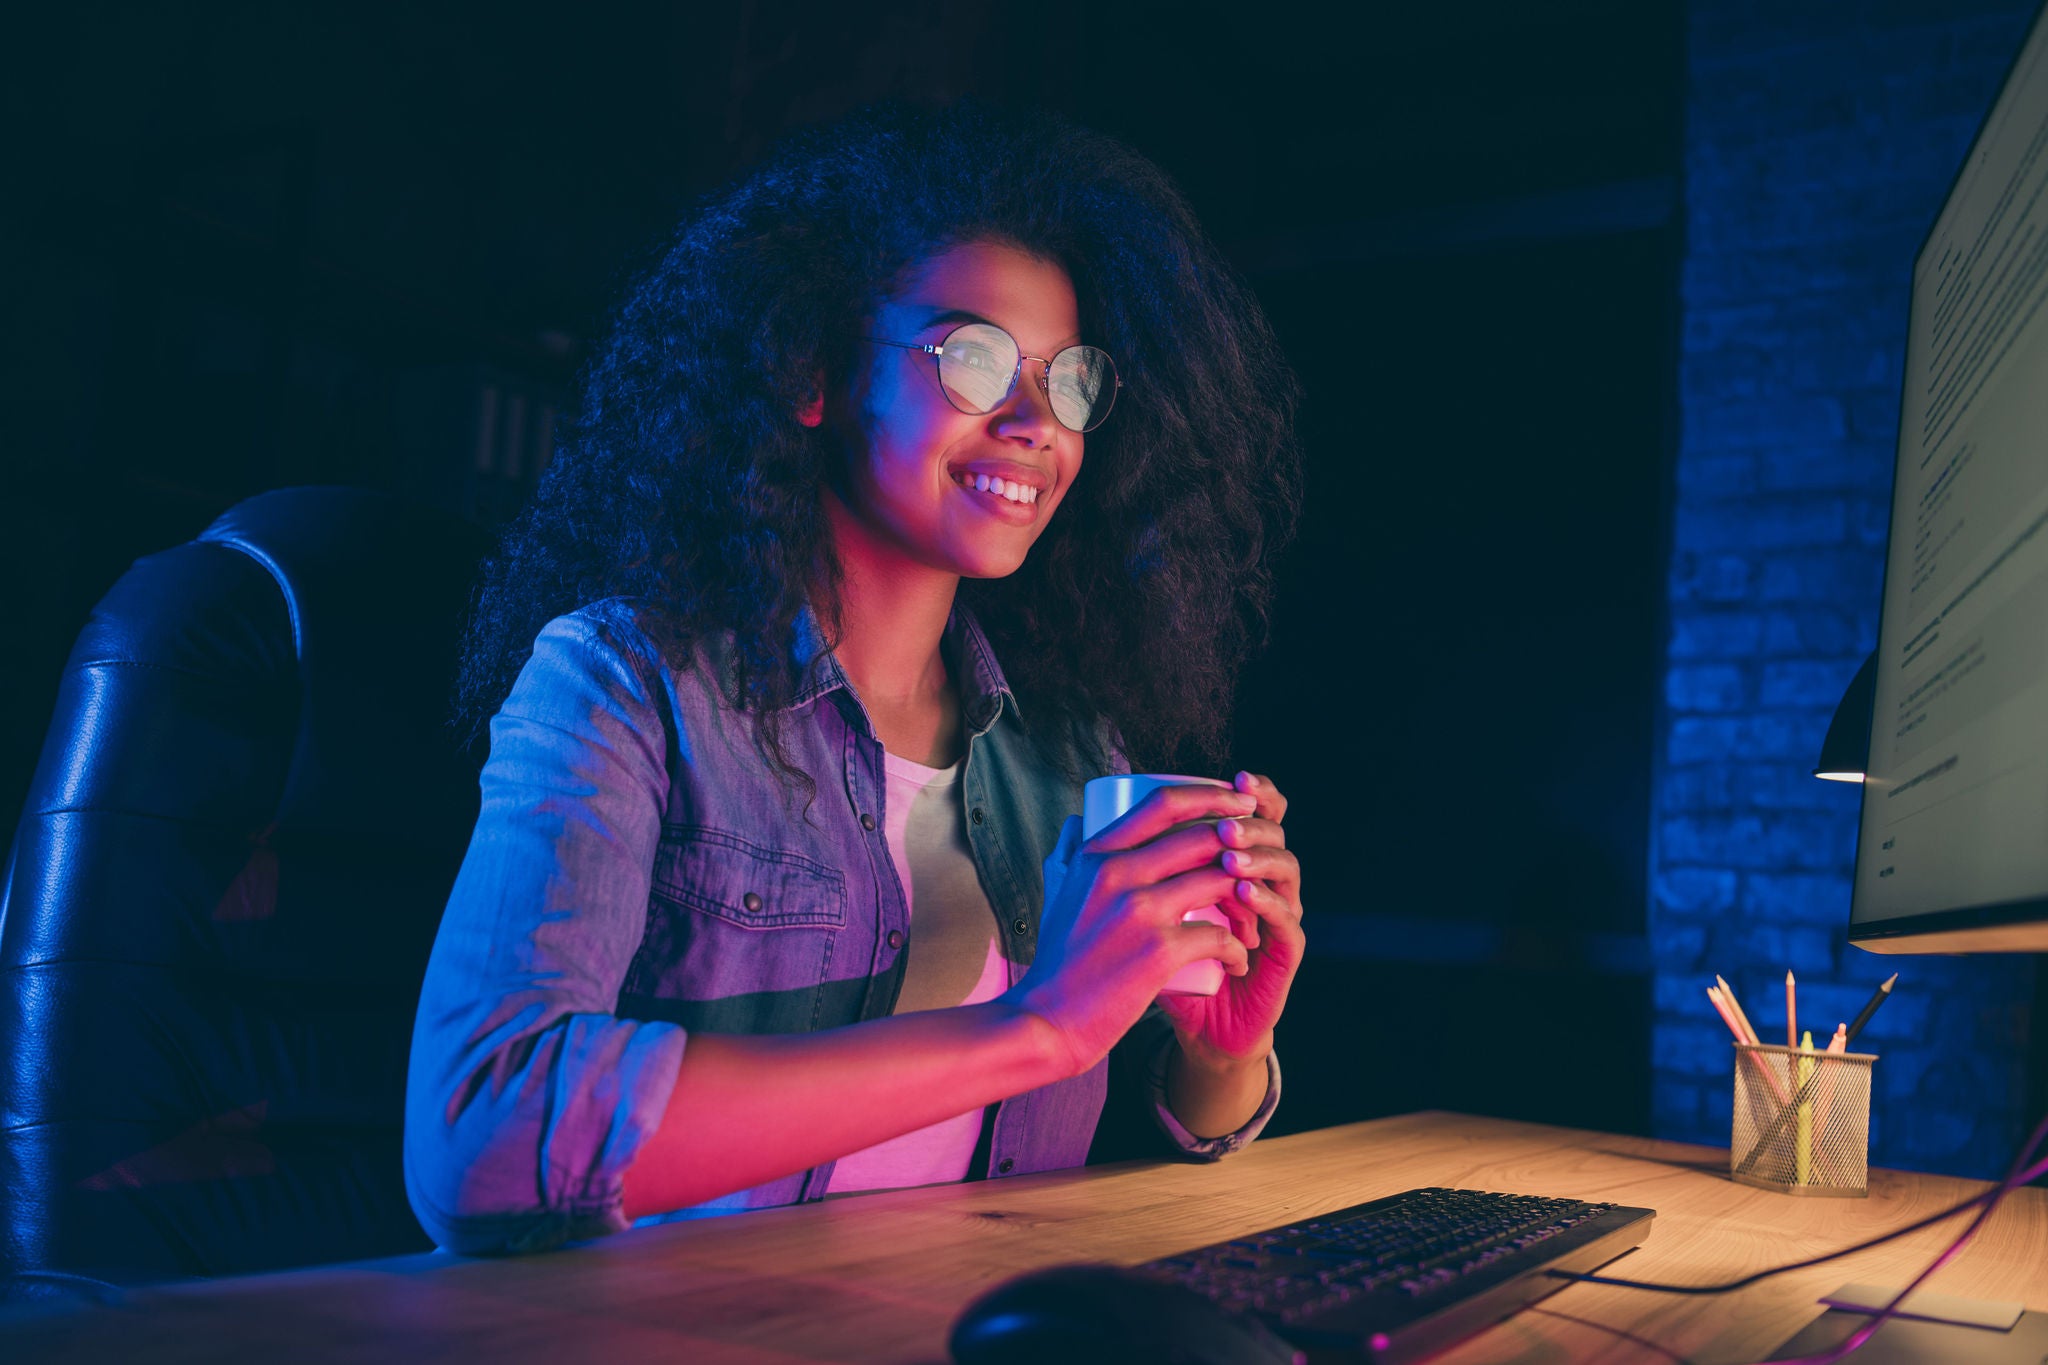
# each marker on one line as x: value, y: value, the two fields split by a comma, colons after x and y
x: 1845, y: 753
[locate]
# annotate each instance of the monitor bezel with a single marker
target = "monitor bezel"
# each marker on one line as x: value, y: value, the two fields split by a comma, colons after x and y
x: 1938, y: 931
x: 1946, y: 926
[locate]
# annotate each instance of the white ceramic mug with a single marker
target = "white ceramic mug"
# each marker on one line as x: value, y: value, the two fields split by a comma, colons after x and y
x: 1103, y: 800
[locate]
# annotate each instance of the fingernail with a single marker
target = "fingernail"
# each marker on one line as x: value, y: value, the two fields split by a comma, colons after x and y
x: 1244, y: 889
x: 1233, y: 861
x: 1248, y: 779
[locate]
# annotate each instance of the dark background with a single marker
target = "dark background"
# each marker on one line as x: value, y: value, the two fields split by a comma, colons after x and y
x: 372, y: 243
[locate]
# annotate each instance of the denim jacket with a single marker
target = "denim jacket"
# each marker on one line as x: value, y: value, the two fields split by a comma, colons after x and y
x: 638, y: 871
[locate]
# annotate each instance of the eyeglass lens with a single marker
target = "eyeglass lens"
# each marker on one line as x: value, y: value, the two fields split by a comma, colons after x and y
x: 979, y: 361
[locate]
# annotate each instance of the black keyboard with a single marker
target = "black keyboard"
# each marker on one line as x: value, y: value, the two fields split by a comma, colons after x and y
x: 1403, y: 1276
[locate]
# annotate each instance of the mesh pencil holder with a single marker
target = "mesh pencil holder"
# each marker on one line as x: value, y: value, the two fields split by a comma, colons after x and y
x: 1802, y: 1120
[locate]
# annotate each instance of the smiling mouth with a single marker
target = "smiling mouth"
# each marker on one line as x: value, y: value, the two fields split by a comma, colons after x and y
x: 1022, y: 494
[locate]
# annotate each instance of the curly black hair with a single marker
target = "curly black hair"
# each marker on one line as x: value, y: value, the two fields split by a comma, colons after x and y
x: 688, y: 480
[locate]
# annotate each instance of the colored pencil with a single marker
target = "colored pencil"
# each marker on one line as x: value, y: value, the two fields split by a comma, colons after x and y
x: 1882, y: 994
x: 1728, y: 992
x: 1802, y: 1150
x: 1791, y: 1011
x: 1762, y: 1065
x: 1721, y: 1008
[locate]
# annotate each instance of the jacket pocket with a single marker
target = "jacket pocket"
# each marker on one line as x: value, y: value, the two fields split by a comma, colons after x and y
x: 731, y: 921
x: 722, y: 874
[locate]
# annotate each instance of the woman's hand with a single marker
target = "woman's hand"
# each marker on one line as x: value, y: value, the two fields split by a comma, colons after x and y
x: 1235, y: 1025
x: 1111, y: 934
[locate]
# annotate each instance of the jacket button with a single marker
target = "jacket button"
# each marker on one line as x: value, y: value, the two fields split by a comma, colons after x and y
x: 895, y: 938
x: 977, y: 815
x: 867, y: 822
x: 751, y: 901
x: 1019, y: 926
x: 1006, y: 1165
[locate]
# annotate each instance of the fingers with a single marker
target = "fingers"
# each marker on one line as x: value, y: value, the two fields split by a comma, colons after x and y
x: 1199, y: 941
x: 1167, y: 807
x: 1271, y: 804
x: 1275, y: 866
x: 1179, y: 851
x: 1248, y: 847
x: 1244, y: 921
x: 1069, y: 843
x: 1165, y: 901
x: 1250, y: 830
x: 1059, y: 864
x: 1283, y: 941
x: 1278, y: 913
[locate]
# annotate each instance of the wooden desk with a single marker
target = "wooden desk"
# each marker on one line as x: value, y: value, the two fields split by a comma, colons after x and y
x: 880, y: 1277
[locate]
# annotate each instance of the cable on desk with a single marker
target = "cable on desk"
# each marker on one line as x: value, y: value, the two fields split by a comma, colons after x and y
x: 1995, y: 1193
x: 2019, y: 1174
x: 1621, y: 1332
x: 2013, y: 1178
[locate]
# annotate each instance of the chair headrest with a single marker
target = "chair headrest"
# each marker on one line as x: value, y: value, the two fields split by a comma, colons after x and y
x: 375, y: 590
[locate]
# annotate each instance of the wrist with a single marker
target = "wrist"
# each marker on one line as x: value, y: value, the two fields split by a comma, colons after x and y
x: 1198, y: 1055
x: 1213, y: 1097
x: 1043, y: 1050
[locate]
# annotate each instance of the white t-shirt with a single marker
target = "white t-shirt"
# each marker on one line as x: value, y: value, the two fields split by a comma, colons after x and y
x: 956, y: 958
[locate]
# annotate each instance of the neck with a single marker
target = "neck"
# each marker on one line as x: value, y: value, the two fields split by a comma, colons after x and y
x: 892, y: 616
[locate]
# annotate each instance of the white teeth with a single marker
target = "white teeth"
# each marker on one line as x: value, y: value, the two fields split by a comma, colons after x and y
x: 1002, y: 488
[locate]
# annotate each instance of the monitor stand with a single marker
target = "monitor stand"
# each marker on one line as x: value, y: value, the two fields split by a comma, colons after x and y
x: 1909, y: 1341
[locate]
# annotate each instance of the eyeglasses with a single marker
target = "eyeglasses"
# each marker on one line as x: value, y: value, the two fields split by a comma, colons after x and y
x: 978, y: 365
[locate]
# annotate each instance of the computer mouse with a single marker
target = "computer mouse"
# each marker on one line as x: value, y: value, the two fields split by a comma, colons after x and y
x: 1103, y: 1315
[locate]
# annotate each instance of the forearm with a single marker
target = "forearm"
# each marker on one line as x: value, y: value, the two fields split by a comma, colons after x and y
x: 1213, y: 1096
x: 746, y: 1110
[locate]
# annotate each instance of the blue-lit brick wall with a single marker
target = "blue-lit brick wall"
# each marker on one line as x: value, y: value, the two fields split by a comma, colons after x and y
x: 1821, y: 138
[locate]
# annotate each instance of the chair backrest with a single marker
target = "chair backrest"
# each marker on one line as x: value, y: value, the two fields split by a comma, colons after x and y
x: 219, y: 903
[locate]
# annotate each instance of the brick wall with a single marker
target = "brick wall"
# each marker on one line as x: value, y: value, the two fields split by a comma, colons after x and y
x: 1821, y: 139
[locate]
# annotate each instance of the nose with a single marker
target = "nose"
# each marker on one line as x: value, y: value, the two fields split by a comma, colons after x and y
x: 1026, y: 417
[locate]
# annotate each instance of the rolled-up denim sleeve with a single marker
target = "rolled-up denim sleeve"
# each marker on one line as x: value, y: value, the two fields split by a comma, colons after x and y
x: 527, y: 1097
x: 1154, y: 1039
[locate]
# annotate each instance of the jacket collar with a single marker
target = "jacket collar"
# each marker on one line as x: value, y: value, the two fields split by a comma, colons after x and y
x: 983, y: 689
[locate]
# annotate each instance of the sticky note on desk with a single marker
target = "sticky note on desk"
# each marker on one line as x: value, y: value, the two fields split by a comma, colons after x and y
x: 1871, y: 1298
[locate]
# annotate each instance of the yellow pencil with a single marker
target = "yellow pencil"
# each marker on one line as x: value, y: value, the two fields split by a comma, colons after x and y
x: 1803, y: 1154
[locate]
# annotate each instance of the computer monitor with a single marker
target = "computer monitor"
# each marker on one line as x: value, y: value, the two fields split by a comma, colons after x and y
x: 1953, y: 848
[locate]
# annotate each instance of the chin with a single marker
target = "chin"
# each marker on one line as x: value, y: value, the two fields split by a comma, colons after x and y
x: 987, y: 565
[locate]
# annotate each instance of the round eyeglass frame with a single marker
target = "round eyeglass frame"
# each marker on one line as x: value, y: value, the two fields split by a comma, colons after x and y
x: 937, y: 350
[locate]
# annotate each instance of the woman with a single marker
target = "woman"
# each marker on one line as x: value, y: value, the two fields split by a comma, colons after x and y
x: 753, y: 911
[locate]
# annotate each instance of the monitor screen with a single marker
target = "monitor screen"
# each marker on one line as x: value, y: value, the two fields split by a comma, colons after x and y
x: 1954, y: 833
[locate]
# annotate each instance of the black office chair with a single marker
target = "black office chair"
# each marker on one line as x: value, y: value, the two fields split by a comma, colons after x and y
x: 219, y: 903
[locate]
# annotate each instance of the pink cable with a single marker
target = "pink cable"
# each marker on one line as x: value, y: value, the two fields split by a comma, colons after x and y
x: 1989, y: 1199
x: 2013, y: 1179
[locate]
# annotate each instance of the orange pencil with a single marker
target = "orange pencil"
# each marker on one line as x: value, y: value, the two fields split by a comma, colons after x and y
x: 1728, y: 1018
x: 1721, y: 1008
x: 1823, y: 1104
x: 1791, y: 1012
x: 1728, y: 994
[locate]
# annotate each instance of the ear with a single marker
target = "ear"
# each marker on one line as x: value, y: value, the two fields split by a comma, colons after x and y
x: 812, y: 413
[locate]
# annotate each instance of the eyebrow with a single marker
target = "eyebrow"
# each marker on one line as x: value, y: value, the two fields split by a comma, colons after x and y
x: 954, y: 316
